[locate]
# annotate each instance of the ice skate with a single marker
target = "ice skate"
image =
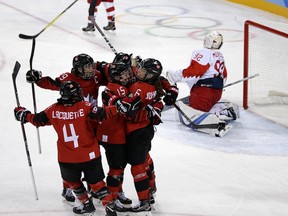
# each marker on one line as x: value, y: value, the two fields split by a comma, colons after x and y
x: 142, y: 209
x: 124, y: 200
x: 86, y: 209
x: 119, y: 207
x: 110, y: 209
x: 90, y: 27
x: 110, y: 26
x: 223, y: 129
x: 68, y: 196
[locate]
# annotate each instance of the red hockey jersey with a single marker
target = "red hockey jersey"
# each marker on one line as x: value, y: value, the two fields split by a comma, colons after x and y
x: 76, y: 140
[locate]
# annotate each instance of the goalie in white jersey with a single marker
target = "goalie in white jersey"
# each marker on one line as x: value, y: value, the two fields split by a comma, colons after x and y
x: 205, y: 77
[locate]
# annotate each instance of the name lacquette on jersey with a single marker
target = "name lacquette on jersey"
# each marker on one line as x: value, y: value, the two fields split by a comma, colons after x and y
x: 67, y: 115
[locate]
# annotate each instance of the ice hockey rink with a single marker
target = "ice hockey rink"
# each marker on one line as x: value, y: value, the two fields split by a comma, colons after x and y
x: 242, y: 174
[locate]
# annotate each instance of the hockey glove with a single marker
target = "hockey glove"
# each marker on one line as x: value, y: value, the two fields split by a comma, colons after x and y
x: 33, y: 76
x: 108, y: 98
x: 98, y: 114
x: 171, y: 96
x: 154, y: 112
x: 129, y: 106
x: 21, y: 113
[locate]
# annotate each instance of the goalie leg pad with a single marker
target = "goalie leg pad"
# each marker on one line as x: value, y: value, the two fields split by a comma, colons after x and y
x: 226, y: 111
x: 198, y: 117
x: 202, y: 118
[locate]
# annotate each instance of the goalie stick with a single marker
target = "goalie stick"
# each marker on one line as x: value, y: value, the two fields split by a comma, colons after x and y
x: 194, y: 125
x: 14, y: 75
x: 186, y: 99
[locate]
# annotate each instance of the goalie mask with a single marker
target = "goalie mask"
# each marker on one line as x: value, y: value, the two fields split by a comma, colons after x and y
x: 149, y: 70
x: 71, y: 93
x: 213, y: 40
x: 83, y: 66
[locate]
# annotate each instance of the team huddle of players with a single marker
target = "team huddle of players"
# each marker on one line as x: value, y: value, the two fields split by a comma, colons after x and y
x: 124, y: 126
x: 132, y: 101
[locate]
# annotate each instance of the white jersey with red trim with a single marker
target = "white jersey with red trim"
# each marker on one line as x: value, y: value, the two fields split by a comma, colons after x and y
x: 205, y: 63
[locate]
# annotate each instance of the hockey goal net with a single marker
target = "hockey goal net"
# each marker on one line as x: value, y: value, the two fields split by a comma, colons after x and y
x: 266, y: 53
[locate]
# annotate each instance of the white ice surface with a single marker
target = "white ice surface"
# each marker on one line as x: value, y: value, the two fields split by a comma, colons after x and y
x: 242, y: 174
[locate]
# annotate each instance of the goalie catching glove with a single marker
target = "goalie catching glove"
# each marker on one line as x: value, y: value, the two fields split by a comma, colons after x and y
x: 33, y: 76
x: 21, y: 113
x: 128, y: 105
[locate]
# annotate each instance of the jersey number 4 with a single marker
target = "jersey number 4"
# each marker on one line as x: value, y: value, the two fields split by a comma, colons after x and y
x: 73, y: 138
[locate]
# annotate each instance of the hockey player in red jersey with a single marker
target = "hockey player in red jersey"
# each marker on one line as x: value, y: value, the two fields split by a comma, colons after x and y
x: 205, y: 77
x: 111, y: 133
x: 142, y: 117
x: 78, y: 149
x: 141, y: 132
x: 85, y: 73
x: 93, y: 11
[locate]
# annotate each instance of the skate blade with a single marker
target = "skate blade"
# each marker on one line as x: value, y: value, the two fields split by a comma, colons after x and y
x: 87, y: 214
x: 124, y: 213
x: 96, y: 200
x: 68, y: 203
x: 144, y: 213
x: 223, y: 132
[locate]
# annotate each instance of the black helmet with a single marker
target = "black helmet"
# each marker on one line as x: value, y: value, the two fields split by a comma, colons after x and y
x: 71, y: 93
x: 151, y: 67
x: 120, y: 70
x: 122, y: 57
x: 80, y: 64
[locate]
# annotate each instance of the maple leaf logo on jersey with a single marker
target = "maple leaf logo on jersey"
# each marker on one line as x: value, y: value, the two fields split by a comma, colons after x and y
x: 90, y: 99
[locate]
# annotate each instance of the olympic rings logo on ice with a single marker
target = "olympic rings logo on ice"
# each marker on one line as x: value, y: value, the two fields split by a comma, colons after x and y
x: 175, y: 22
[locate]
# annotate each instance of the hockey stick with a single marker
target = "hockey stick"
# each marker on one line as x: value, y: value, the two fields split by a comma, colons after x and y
x: 154, y: 112
x: 14, y: 75
x: 186, y: 99
x: 241, y: 80
x: 195, y: 126
x: 103, y: 35
x: 33, y: 37
x: 33, y: 92
x: 23, y: 36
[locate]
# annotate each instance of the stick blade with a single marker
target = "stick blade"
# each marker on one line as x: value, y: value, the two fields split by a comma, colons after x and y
x: 16, y: 70
x: 26, y: 36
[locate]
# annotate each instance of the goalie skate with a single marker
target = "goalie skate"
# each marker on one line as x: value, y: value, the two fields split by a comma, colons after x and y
x: 223, y: 129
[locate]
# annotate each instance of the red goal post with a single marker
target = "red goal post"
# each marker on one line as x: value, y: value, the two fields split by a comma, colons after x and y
x: 266, y: 53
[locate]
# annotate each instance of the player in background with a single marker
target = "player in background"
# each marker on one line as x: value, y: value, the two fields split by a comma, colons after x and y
x: 84, y: 73
x: 78, y: 149
x: 110, y: 11
x: 205, y: 77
